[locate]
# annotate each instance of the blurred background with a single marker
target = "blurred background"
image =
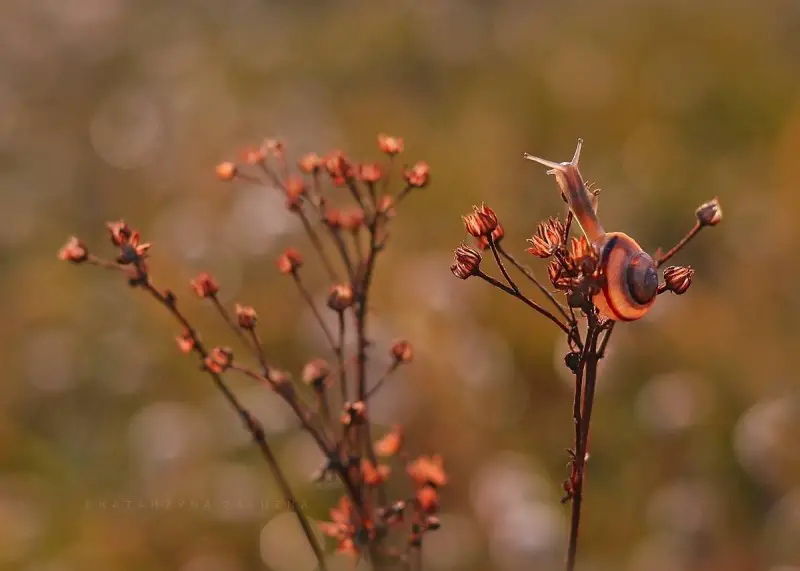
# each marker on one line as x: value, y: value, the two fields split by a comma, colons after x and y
x: 115, y: 453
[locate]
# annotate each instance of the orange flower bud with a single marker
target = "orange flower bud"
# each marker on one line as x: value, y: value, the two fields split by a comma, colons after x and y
x: 290, y: 261
x: 205, y: 285
x: 73, y: 251
x: 402, y: 351
x: 390, y: 145
x: 418, y: 176
x: 185, y: 341
x: 219, y: 359
x: 497, y: 235
x: 246, y: 316
x: 316, y: 372
x: 310, y: 163
x: 340, y: 297
x: 226, y: 171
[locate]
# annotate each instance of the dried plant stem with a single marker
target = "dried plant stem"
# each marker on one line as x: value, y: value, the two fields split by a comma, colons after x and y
x: 530, y: 275
x: 250, y: 422
x: 524, y: 299
x: 585, y: 381
x: 315, y: 241
x: 382, y: 380
x: 307, y: 297
x: 662, y: 258
x: 339, y: 350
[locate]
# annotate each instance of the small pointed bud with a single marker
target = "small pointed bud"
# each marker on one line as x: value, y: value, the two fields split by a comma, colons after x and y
x: 402, y: 351
x: 354, y: 413
x: 340, y: 297
x: 710, y: 213
x: 204, y: 285
x: 310, y: 163
x: 467, y: 262
x: 226, y: 171
x: 418, y: 176
x: 481, y: 222
x: 246, y: 316
x: 73, y: 251
x: 219, y: 360
x: 290, y: 261
x: 185, y: 341
x: 428, y: 499
x: 374, y: 475
x: 497, y: 235
x: 316, y: 372
x: 370, y: 172
x: 678, y: 278
x: 390, y: 145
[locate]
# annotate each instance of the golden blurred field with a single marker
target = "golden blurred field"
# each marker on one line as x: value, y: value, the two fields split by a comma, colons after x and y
x: 120, y: 109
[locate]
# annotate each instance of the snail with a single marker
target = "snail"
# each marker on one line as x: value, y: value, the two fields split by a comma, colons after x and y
x: 631, y: 280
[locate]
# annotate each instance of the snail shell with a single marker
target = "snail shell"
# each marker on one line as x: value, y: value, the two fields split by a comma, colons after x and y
x: 631, y: 279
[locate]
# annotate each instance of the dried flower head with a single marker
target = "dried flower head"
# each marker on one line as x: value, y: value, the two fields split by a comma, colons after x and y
x: 497, y: 235
x: 119, y: 232
x: 548, y: 238
x: 340, y: 297
x: 339, y: 168
x: 678, y: 278
x: 418, y: 176
x: 316, y: 372
x: 133, y: 250
x: 390, y: 145
x: 354, y: 413
x: 428, y: 471
x: 402, y: 351
x: 274, y: 147
x: 73, y: 251
x: 370, y: 172
x: 226, y: 171
x: 310, y: 163
x: 219, y: 359
x: 290, y: 261
x: 709, y: 213
x: 482, y: 222
x: 467, y: 262
x: 390, y: 444
x: 246, y: 316
x: 185, y: 341
x: 427, y: 499
x: 204, y: 285
x: 374, y: 475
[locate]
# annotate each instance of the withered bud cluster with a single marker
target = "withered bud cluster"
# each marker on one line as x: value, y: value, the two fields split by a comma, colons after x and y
x: 358, y: 233
x: 548, y: 239
x: 677, y: 279
x: 467, y: 262
x: 481, y: 222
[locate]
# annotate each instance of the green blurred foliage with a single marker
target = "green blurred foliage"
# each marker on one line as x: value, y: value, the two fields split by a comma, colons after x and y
x: 120, y: 109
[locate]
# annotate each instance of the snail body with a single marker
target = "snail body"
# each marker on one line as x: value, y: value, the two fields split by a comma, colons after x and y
x: 631, y: 281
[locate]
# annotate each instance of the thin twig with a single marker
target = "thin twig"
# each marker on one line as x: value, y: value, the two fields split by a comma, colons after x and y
x: 393, y: 367
x: 500, y: 264
x: 530, y: 275
x: 307, y: 297
x: 662, y: 258
x: 252, y: 425
x: 525, y: 300
x: 315, y: 241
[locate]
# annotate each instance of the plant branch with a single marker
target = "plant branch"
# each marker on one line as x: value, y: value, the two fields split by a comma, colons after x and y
x: 530, y: 275
x: 525, y: 300
x: 662, y: 258
x: 307, y: 297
